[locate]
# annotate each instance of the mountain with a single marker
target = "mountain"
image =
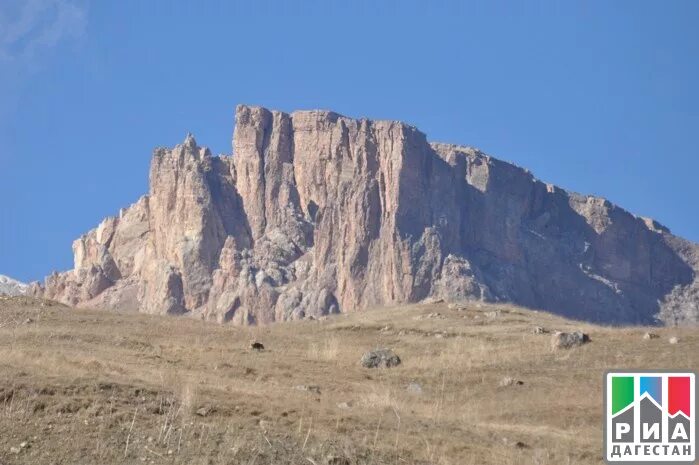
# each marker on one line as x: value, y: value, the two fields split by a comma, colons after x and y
x: 317, y: 213
x: 9, y: 286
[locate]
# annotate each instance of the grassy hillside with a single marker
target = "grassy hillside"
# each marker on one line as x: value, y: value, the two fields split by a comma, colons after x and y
x: 79, y: 386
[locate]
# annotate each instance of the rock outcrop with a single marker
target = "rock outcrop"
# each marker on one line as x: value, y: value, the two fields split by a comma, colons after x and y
x: 12, y: 287
x: 316, y: 213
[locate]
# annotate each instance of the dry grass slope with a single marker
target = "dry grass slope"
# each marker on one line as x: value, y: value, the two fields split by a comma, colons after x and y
x: 84, y: 387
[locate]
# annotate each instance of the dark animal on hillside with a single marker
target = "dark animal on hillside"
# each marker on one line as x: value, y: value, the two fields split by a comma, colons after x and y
x: 254, y: 345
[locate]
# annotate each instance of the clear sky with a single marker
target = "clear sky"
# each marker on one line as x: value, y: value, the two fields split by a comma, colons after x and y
x: 600, y: 97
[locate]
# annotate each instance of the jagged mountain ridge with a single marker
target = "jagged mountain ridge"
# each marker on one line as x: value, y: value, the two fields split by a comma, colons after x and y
x: 12, y: 287
x: 318, y: 213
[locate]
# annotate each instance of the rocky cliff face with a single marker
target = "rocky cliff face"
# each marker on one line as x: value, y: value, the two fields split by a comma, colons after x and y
x: 316, y: 213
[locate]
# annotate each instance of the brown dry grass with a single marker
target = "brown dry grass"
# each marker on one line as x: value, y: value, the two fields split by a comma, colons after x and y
x: 84, y: 386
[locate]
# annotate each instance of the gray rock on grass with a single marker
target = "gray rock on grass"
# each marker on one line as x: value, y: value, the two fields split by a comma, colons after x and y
x: 380, y: 358
x: 562, y: 340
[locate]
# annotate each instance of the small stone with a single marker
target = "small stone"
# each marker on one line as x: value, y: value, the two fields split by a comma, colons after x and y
x: 414, y: 388
x: 310, y: 388
x: 515, y: 444
x: 263, y: 424
x: 24, y: 445
x: 344, y: 405
x: 649, y: 336
x: 540, y: 330
x: 203, y: 411
x: 380, y: 358
x: 337, y: 460
x: 433, y: 315
x: 14, y: 450
x: 561, y: 340
x: 673, y: 340
x: 510, y: 381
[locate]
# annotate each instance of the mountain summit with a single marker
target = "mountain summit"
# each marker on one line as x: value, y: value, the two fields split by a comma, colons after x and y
x: 316, y: 213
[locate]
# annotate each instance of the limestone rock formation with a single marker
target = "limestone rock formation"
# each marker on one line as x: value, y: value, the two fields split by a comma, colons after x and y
x: 316, y: 213
x: 12, y: 287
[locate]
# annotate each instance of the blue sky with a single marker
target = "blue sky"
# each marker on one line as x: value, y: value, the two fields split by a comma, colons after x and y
x: 599, y: 97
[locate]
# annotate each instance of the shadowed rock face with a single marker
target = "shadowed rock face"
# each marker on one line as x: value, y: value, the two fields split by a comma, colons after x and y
x: 316, y: 213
